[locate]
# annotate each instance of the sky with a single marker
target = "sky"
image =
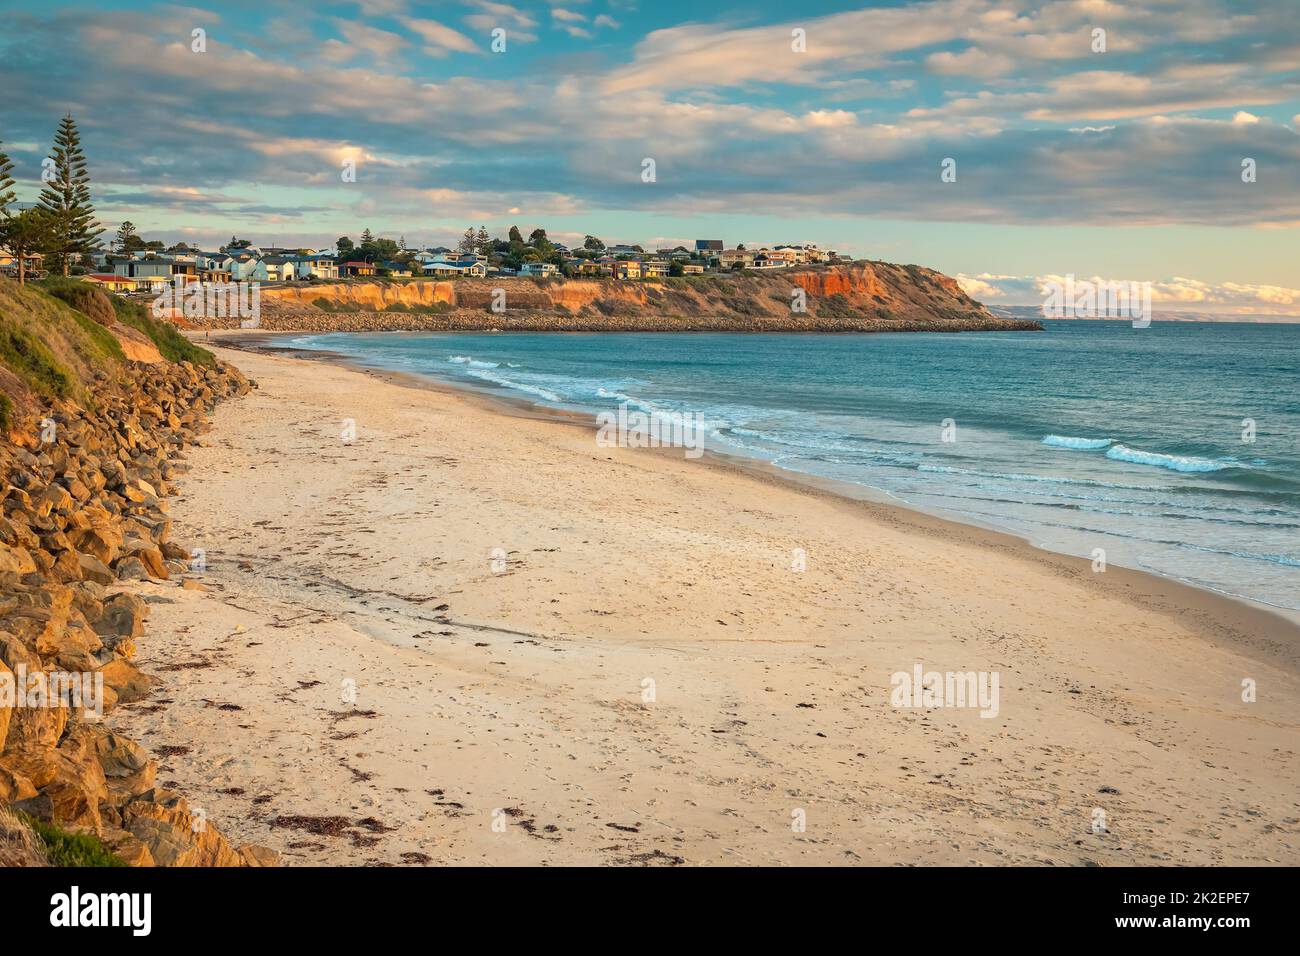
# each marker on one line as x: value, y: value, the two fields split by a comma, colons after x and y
x: 1115, y: 154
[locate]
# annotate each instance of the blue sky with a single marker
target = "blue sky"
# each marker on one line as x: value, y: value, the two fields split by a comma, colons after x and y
x: 1123, y: 163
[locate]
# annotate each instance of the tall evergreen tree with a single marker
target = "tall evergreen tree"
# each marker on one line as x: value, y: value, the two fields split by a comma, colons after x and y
x: 66, y: 197
x: 6, y: 183
x: 483, y: 243
x: 125, y: 234
x: 468, y: 242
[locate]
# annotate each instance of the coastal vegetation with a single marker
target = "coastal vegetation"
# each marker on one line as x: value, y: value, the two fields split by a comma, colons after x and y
x: 97, y: 402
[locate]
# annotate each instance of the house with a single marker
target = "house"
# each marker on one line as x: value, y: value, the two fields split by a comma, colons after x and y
x: 623, y: 252
x: 708, y: 248
x: 280, y: 268
x: 9, y: 263
x: 627, y: 269
x: 157, y: 270
x: 246, y: 267
x: 730, y: 258
x: 450, y: 270
x: 399, y: 269
x: 692, y: 269
x: 110, y: 282
x: 654, y: 269
x: 538, y: 269
x: 318, y: 266
x: 356, y: 269
x: 771, y: 259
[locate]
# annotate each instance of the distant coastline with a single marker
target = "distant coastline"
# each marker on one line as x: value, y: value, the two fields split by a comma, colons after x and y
x: 861, y: 297
x: 1159, y: 315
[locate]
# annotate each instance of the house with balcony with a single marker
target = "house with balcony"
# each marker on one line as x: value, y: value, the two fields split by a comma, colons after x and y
x: 732, y: 258
x: 543, y: 270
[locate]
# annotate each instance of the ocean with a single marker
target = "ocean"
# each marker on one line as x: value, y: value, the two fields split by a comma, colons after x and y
x: 1174, y: 449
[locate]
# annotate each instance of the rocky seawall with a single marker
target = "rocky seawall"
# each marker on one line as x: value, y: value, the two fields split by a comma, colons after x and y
x: 84, y: 513
x: 857, y: 297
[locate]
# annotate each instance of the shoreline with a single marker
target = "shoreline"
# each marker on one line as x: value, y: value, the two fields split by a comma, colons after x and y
x: 875, y: 501
x: 463, y: 638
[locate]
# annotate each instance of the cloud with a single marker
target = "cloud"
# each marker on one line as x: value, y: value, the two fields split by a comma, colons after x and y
x: 1170, y: 293
x: 970, y: 62
x: 379, y: 43
x: 440, y: 37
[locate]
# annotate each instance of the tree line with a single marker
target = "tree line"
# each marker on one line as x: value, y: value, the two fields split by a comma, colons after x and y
x: 512, y: 251
x: 62, y: 225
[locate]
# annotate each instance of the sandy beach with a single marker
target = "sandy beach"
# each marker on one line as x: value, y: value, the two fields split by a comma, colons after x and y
x: 466, y: 636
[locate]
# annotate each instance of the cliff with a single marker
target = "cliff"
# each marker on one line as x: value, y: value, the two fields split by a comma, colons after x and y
x: 857, y: 297
x: 97, y: 404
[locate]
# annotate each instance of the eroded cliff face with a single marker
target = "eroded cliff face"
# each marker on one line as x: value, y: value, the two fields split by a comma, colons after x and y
x: 861, y: 296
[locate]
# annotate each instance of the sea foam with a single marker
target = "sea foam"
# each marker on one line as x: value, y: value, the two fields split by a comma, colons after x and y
x: 1081, y: 444
x: 1173, y: 462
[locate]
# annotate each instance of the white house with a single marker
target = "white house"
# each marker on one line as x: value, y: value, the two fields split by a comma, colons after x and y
x: 542, y: 269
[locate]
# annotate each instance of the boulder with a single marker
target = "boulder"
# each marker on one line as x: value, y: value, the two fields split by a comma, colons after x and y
x: 93, y: 569
x: 126, y: 681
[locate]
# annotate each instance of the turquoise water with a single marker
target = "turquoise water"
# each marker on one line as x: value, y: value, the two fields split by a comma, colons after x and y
x: 1088, y: 435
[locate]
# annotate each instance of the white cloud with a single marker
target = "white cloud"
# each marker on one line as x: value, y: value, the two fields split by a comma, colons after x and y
x: 970, y: 62
x: 439, y: 36
x: 1172, y: 293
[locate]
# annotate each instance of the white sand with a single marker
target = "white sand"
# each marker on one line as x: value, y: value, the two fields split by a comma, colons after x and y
x: 329, y: 563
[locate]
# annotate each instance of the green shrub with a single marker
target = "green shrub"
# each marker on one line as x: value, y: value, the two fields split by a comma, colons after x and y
x: 33, y: 362
x: 71, y: 849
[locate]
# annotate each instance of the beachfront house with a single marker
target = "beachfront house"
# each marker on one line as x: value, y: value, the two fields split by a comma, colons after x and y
x: 654, y: 269
x: 280, y: 268
x: 733, y: 258
x: 153, y: 271
x: 110, y: 282
x: 544, y: 270
x: 452, y: 270
x: 357, y: 269
x: 627, y: 269
x: 316, y: 266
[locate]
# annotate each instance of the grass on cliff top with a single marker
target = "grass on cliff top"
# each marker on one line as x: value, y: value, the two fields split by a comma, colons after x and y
x: 96, y: 309
x: 45, y: 343
x: 173, y: 346
x: 63, y: 848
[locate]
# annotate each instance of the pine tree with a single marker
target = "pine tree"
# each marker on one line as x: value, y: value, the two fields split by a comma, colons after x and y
x: 66, y: 197
x: 468, y: 242
x: 6, y: 183
x: 125, y: 235
x: 483, y: 243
